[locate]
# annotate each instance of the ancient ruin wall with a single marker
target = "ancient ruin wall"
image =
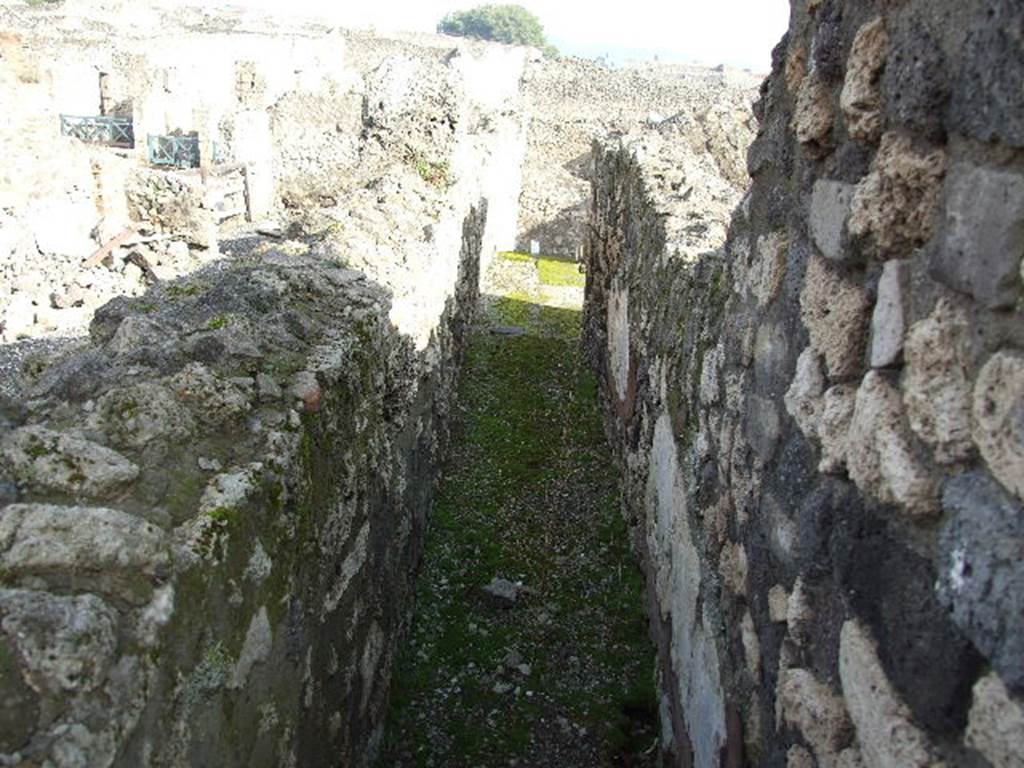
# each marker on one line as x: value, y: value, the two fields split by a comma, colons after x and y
x: 572, y: 101
x: 819, y: 423
x: 210, y: 514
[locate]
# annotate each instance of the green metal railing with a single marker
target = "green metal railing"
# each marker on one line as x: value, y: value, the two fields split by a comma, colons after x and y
x: 174, y: 151
x: 99, y: 129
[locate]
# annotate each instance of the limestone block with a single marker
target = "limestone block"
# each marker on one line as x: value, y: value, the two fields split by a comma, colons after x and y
x: 751, y: 645
x: 885, y: 733
x: 803, y: 399
x: 63, y: 227
x: 796, y: 67
x: 861, y: 99
x: 996, y: 724
x: 92, y: 547
x: 799, y: 613
x: 814, y: 113
x: 983, y: 240
x: 65, y: 463
x: 834, y: 427
x: 830, y: 207
x: 981, y: 569
x: 769, y: 268
x: 888, y: 322
x: 19, y: 317
x: 894, y: 208
x: 817, y: 712
x: 67, y: 642
x: 799, y: 757
x: 936, y: 388
x: 999, y: 418
x: 777, y: 603
x: 879, y: 456
x: 256, y: 648
x: 835, y: 311
x: 732, y: 566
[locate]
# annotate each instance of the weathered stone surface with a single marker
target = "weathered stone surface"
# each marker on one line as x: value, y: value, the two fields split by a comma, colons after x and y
x: 915, y: 82
x: 256, y: 648
x: 834, y: 427
x: 983, y: 236
x: 861, y: 100
x: 996, y: 725
x: 815, y: 711
x: 988, y: 97
x: 67, y: 643
x: 889, y: 319
x: 835, y: 311
x: 815, y: 113
x: 894, y: 209
x: 769, y: 267
x: 886, y: 735
x: 65, y: 463
x: 804, y: 397
x: 880, y: 458
x: 830, y: 207
x: 777, y: 603
x: 998, y: 412
x: 936, y: 388
x: 981, y: 570
x: 91, y: 547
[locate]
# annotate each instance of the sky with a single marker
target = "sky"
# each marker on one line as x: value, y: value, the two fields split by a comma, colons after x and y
x: 737, y: 33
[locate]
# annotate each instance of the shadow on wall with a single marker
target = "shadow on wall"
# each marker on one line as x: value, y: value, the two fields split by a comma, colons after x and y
x: 235, y: 440
x: 561, y: 235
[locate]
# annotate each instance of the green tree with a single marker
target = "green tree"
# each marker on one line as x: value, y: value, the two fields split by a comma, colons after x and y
x: 500, y: 23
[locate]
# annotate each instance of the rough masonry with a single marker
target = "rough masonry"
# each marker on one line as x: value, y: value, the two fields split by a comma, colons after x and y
x: 819, y: 417
x: 213, y: 507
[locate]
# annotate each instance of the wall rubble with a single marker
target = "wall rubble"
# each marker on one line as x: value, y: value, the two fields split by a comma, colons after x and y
x: 818, y: 418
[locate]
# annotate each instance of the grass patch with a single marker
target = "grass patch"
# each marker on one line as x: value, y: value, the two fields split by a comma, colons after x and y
x: 560, y: 273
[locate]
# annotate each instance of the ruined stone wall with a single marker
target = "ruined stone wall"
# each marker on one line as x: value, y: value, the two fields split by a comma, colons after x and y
x: 819, y: 419
x: 572, y: 101
x: 211, y: 512
x: 291, y: 106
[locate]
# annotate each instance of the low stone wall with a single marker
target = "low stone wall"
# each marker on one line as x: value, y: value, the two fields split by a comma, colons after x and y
x: 213, y: 515
x: 819, y: 424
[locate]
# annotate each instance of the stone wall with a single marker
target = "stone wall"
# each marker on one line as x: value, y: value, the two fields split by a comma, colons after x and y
x: 210, y: 514
x: 293, y: 104
x: 572, y: 101
x: 819, y: 419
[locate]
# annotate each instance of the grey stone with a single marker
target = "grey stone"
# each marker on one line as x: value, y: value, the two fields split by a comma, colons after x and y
x: 889, y: 321
x: 104, y: 550
x: 268, y: 389
x: 65, y: 463
x: 504, y: 590
x: 983, y: 244
x: 988, y: 95
x: 885, y: 732
x: 996, y: 724
x: 67, y: 643
x: 915, y: 82
x: 981, y: 569
x: 258, y: 640
x: 998, y: 418
x: 830, y: 206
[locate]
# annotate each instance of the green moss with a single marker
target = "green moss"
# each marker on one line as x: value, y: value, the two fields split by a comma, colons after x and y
x: 436, y: 174
x: 183, y: 291
x: 147, y: 308
x: 529, y: 481
x: 223, y: 515
x: 218, y: 322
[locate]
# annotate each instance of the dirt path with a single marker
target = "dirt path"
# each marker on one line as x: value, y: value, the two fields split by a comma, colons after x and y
x: 557, y: 670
